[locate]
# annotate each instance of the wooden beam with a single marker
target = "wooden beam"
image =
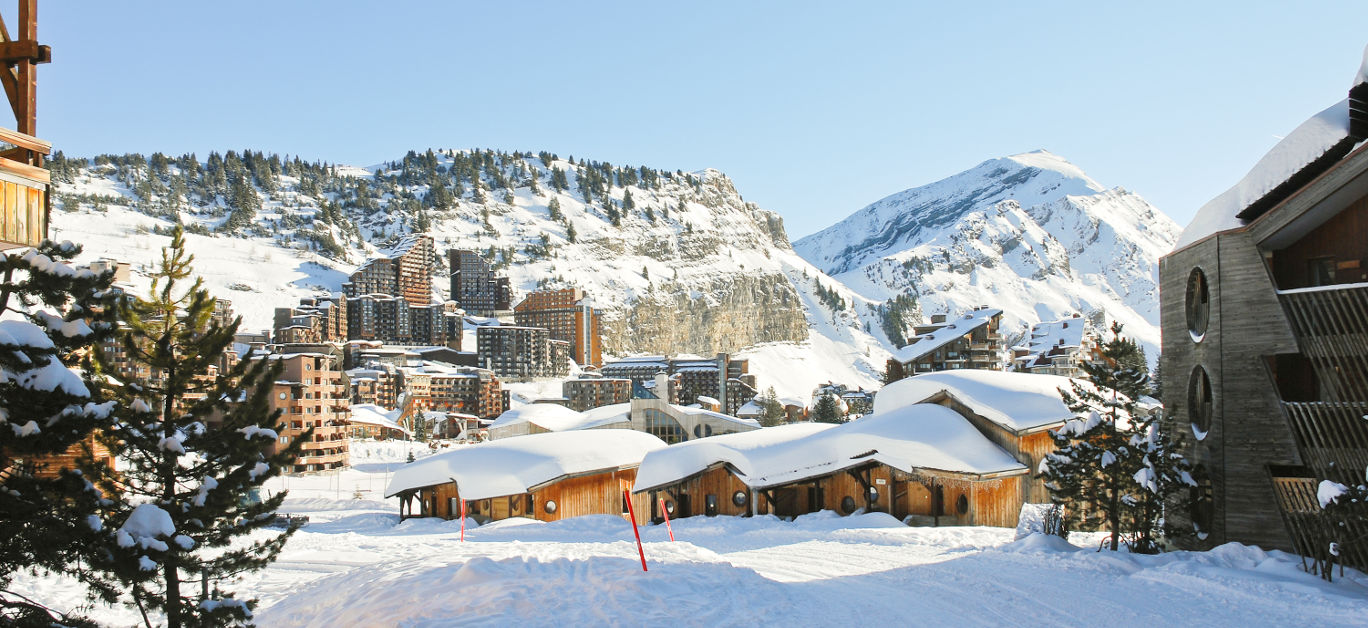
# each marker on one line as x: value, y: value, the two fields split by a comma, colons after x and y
x: 15, y: 51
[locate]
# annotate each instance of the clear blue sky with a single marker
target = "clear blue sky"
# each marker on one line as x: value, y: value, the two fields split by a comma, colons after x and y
x: 815, y: 110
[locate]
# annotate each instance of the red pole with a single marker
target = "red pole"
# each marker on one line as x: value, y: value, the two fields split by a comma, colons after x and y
x: 631, y: 510
x: 667, y: 519
x: 463, y: 507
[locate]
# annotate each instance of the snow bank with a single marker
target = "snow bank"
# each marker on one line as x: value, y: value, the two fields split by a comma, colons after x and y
x: 513, y: 466
x: 1016, y: 401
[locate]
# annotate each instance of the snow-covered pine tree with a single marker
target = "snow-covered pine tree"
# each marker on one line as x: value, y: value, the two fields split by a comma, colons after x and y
x: 1166, y: 483
x: 47, y: 409
x: 1092, y: 472
x: 827, y: 410
x: 774, y: 410
x: 188, y: 500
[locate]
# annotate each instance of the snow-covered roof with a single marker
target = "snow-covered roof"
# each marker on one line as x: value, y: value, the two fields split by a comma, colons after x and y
x: 1017, y: 401
x: 751, y: 408
x: 518, y: 465
x: 1066, y: 332
x: 716, y: 415
x: 557, y: 418
x: 953, y: 330
x: 709, y: 400
x: 909, y: 438
x: 683, y: 460
x: 1302, y: 146
x: 371, y: 414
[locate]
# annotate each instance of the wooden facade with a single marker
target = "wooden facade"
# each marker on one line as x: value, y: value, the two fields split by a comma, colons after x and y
x: 1029, y: 447
x: 596, y: 493
x: 1265, y: 358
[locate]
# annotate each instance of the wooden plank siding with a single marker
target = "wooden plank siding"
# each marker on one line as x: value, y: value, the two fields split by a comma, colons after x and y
x: 598, y: 493
x: 690, y: 497
x: 50, y: 467
x: 1027, y: 448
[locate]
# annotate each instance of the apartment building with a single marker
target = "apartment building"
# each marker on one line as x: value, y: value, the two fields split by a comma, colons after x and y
x: 569, y: 316
x: 475, y: 286
x: 310, y: 393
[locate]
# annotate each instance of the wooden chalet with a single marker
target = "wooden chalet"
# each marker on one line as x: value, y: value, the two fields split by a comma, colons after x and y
x: 921, y: 462
x: 547, y: 477
x: 1016, y: 411
x: 1264, y: 309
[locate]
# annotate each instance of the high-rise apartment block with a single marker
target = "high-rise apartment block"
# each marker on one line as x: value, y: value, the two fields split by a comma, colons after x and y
x: 521, y: 352
x: 475, y: 286
x: 569, y: 317
x: 404, y: 270
x: 310, y: 393
x: 315, y: 319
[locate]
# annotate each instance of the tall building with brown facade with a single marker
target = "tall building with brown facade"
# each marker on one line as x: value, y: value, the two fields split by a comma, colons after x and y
x: 569, y: 317
x: 315, y: 319
x: 404, y: 270
x: 310, y: 392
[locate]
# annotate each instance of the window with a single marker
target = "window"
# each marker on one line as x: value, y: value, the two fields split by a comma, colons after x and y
x: 1320, y: 271
x: 1199, y: 402
x: 962, y: 504
x: 710, y: 505
x: 1197, y: 305
x: 872, y: 494
x: 847, y: 504
x: 739, y: 499
x: 550, y: 507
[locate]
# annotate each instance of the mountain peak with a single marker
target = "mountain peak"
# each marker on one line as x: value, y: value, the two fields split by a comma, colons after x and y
x: 1045, y: 160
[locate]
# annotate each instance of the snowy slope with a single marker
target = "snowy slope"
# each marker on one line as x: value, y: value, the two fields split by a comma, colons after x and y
x: 355, y: 564
x: 689, y: 267
x: 1031, y: 234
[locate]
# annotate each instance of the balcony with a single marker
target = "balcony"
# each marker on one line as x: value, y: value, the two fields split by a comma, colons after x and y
x: 1331, y: 326
x: 24, y: 188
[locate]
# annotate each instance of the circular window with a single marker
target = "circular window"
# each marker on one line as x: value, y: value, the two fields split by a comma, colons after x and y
x: 873, y: 494
x: 1199, y: 402
x: 962, y: 504
x: 669, y: 507
x: 550, y: 507
x: 739, y: 498
x: 515, y: 504
x: 1197, y: 305
x: 847, y: 504
x: 282, y: 395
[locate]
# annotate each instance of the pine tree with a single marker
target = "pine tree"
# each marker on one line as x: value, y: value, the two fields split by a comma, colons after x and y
x: 188, y: 496
x: 554, y: 207
x: 569, y: 231
x: 45, y: 512
x: 828, y: 410
x: 1099, y: 453
x: 774, y: 410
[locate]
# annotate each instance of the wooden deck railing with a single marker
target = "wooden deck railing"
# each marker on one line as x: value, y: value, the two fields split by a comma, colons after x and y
x: 1331, y: 325
x: 24, y: 190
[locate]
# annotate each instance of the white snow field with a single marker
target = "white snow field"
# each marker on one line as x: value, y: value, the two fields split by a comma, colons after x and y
x: 355, y: 564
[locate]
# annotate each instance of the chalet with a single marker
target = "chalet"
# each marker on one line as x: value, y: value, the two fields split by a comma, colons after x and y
x: 372, y: 421
x: 1264, y: 309
x: 1016, y: 411
x: 920, y: 461
x: 546, y: 477
x: 1057, y: 347
x: 971, y: 341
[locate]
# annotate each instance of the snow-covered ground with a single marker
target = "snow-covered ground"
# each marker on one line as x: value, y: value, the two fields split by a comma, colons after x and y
x: 357, y: 565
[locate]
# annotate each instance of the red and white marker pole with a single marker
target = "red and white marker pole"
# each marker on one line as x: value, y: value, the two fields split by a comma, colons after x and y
x: 463, y: 513
x: 631, y: 510
x: 667, y: 519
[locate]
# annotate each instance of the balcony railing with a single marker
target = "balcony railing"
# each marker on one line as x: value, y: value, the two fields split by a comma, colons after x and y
x: 1331, y: 325
x: 24, y: 190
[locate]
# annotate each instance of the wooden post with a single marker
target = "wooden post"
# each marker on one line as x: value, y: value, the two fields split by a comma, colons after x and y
x: 631, y: 510
x: 463, y: 516
x: 667, y: 519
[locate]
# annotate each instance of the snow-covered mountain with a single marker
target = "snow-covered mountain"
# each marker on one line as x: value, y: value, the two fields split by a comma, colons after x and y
x: 1031, y: 234
x: 678, y: 262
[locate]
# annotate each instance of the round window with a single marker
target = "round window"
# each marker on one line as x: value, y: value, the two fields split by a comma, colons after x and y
x: 1199, y: 402
x: 550, y: 507
x: 962, y: 504
x: 739, y: 498
x: 669, y: 507
x: 1197, y: 305
x: 847, y: 504
x: 872, y: 494
x: 282, y: 395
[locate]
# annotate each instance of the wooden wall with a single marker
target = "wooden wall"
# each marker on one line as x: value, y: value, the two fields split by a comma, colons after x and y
x: 1027, y: 449
x: 600, y: 493
x: 1344, y: 238
x: 718, y: 481
x: 51, y: 466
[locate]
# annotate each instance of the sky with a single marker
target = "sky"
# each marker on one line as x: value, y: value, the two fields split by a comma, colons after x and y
x: 813, y: 109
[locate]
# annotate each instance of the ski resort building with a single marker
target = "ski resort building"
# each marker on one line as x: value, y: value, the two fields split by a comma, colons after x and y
x: 919, y: 461
x: 971, y: 341
x: 315, y: 319
x: 393, y: 319
x: 722, y: 377
x: 1057, y: 347
x: 1016, y: 411
x: 591, y: 391
x: 568, y: 316
x: 476, y: 287
x: 310, y: 393
x: 1264, y: 306
x: 404, y: 271
x: 521, y: 352
x: 546, y: 477
x: 372, y: 421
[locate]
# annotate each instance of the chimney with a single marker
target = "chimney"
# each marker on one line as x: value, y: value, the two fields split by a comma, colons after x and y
x: 1358, y: 103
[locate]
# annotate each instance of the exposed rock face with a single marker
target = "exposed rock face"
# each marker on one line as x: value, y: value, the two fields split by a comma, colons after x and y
x: 725, y: 315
